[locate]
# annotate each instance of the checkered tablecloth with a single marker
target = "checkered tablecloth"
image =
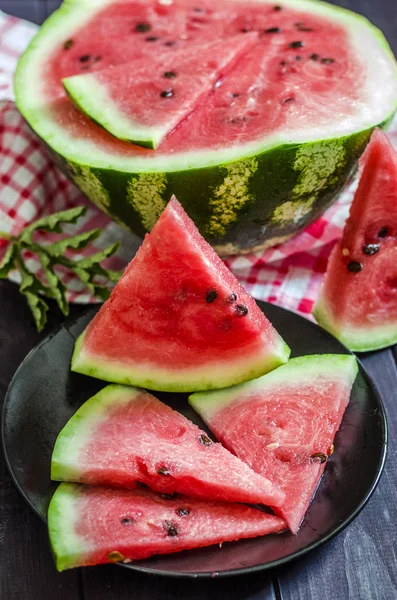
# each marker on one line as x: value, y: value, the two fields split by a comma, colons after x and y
x: 31, y: 186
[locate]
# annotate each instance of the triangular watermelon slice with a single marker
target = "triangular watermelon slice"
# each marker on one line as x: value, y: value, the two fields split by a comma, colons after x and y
x: 126, y: 437
x: 144, y: 100
x: 94, y: 525
x: 283, y: 424
x: 178, y: 319
x: 358, y: 299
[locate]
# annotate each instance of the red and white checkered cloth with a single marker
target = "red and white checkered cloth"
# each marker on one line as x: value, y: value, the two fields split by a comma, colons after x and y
x: 31, y: 186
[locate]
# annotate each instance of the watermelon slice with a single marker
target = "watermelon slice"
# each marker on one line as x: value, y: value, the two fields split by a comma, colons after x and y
x: 125, y: 437
x: 262, y: 155
x: 283, y: 424
x: 358, y: 299
x: 143, y: 102
x: 178, y: 320
x: 94, y: 525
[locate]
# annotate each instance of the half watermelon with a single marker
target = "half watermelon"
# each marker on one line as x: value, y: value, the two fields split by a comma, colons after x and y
x: 262, y: 155
x: 358, y: 299
x: 283, y: 424
x: 125, y: 437
x: 94, y: 525
x: 178, y: 319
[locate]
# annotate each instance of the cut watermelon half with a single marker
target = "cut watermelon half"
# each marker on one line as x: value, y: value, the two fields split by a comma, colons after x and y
x: 125, y: 437
x: 283, y: 424
x: 144, y: 101
x: 94, y: 525
x: 358, y: 299
x: 178, y: 319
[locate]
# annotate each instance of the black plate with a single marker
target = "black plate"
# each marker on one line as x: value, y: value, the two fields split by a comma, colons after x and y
x: 44, y: 394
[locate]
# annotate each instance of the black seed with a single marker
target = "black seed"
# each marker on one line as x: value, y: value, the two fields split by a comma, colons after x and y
x: 371, y: 249
x: 168, y: 496
x: 163, y: 471
x: 205, y: 440
x: 383, y: 232
x: 277, y: 7
x: 327, y: 61
x: 241, y: 310
x: 140, y: 484
x: 319, y: 455
x: 151, y: 38
x: 296, y: 44
x: 286, y: 100
x: 273, y: 30
x: 235, y: 95
x: 169, y: 44
x: 85, y: 58
x: 115, y: 556
x: 354, y: 266
x: 169, y: 74
x: 142, y: 27
x: 314, y: 57
x: 126, y: 521
x: 198, y: 9
x: 97, y: 58
x: 245, y: 30
x: 211, y: 296
x: 68, y: 44
x: 232, y: 298
x: 298, y: 57
x: 304, y: 29
x: 283, y: 63
x: 167, y: 93
x: 170, y: 528
x: 182, y: 512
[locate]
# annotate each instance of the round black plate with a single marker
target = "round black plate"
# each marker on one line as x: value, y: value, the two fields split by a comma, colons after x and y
x: 44, y: 394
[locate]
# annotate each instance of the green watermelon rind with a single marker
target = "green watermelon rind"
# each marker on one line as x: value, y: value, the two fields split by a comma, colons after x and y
x: 298, y: 371
x: 257, y: 196
x: 206, y: 377
x: 66, y: 546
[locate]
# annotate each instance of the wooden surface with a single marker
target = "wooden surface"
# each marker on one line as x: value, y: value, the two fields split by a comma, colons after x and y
x: 360, y: 564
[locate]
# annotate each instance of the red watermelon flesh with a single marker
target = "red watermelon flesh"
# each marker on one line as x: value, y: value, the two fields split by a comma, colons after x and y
x: 283, y: 424
x: 145, y: 100
x: 305, y: 74
x: 94, y: 525
x: 125, y: 437
x: 178, y: 319
x: 358, y: 299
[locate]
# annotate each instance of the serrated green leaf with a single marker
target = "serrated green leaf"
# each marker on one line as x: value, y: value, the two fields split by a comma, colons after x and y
x: 55, y: 284
x: 76, y: 242
x: 97, y: 258
x: 39, y: 309
x: 8, y: 262
x: 52, y: 223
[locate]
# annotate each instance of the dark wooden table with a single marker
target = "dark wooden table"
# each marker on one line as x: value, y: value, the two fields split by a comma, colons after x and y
x: 360, y: 564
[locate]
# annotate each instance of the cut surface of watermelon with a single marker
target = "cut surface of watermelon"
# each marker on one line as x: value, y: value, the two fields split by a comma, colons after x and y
x: 125, y: 437
x: 283, y: 424
x: 143, y: 101
x: 258, y: 158
x: 178, y: 319
x: 93, y: 525
x: 358, y: 299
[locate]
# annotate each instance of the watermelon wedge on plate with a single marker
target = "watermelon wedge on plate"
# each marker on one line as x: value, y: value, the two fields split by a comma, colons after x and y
x: 94, y: 525
x: 178, y: 319
x: 125, y: 437
x: 283, y: 424
x: 144, y: 101
x: 357, y: 302
x: 262, y: 155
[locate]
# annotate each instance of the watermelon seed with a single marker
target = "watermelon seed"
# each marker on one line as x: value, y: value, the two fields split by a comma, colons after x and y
x: 273, y: 30
x: 170, y: 528
x: 277, y: 8
x: 182, y: 512
x: 169, y: 44
x: 286, y: 100
x: 68, y: 44
x: 163, y: 471
x: 167, y: 93
x: 168, y: 496
x: 199, y: 10
x: 296, y: 44
x: 142, y: 27
x: 371, y: 249
x: 126, y: 521
x: 232, y: 298
x: 235, y: 95
x: 211, y: 296
x: 241, y: 310
x: 331, y: 450
x: 169, y: 74
x: 383, y: 232
x: 151, y: 38
x: 205, y: 440
x: 140, y: 484
x: 322, y: 457
x: 354, y: 266
x: 298, y: 57
x: 115, y: 556
x: 327, y: 61
x: 283, y: 63
x: 302, y: 27
x: 85, y: 58
x: 97, y: 58
x: 85, y: 68
x: 245, y: 30
x: 315, y: 57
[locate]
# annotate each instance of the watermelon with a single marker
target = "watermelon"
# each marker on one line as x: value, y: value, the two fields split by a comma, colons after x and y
x: 178, y: 319
x: 358, y: 299
x: 264, y: 153
x: 125, y: 437
x: 143, y: 103
x: 283, y: 424
x: 90, y: 525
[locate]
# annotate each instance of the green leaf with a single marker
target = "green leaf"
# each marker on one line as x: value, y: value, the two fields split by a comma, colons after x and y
x: 39, y: 309
x: 76, y: 242
x: 55, y: 284
x: 52, y: 223
x: 8, y: 262
x: 95, y: 259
